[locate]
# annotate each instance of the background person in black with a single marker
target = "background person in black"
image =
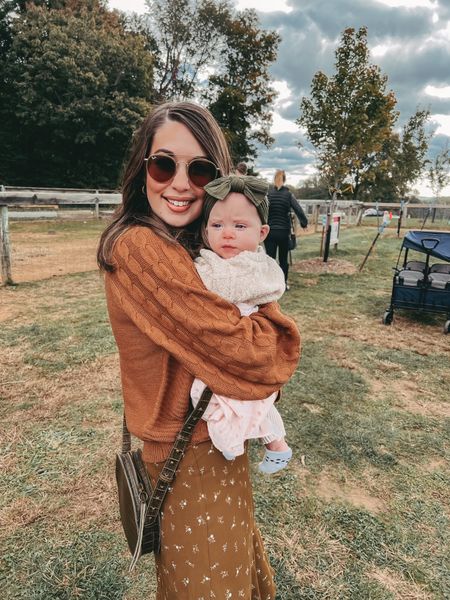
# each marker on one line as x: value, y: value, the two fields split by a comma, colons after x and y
x: 281, y: 202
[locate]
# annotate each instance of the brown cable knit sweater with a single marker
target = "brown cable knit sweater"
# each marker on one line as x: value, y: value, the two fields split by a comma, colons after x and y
x: 169, y: 329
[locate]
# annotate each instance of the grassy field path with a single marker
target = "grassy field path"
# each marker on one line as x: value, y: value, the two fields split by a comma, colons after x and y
x: 363, y: 511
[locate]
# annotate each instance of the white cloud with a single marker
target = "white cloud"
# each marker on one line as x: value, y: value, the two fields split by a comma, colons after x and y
x: 284, y: 91
x: 280, y: 125
x: 264, y: 5
x: 293, y: 177
x: 137, y: 6
x: 380, y: 50
x: 284, y: 98
x: 409, y: 3
x: 443, y: 122
x: 438, y: 92
x: 422, y: 186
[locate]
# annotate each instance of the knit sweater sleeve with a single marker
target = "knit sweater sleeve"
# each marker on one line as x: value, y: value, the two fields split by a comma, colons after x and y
x: 157, y: 286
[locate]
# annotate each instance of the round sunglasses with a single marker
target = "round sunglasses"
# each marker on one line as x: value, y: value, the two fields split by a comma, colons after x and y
x: 162, y: 168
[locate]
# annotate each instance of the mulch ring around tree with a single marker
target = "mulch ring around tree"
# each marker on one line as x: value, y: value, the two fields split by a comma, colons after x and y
x: 316, y: 265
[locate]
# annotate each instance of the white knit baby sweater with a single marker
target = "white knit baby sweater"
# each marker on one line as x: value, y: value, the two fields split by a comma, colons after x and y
x: 247, y: 280
x: 250, y: 277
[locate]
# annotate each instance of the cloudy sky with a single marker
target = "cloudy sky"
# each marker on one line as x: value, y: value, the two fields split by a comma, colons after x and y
x: 408, y: 39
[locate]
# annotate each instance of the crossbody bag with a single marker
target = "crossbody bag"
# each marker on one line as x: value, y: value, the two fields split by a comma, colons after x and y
x: 139, y: 503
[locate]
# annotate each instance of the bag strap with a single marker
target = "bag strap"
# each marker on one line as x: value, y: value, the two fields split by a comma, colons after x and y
x: 167, y: 474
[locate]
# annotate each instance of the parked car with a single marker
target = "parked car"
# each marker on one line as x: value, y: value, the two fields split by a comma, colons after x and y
x: 373, y: 212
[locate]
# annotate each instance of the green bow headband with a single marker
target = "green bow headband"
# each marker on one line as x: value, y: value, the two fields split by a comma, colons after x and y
x: 253, y: 188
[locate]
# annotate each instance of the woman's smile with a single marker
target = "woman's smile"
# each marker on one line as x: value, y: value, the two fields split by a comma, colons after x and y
x: 179, y: 204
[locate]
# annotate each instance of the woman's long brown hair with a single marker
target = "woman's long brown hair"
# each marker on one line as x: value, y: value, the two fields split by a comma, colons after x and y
x: 135, y: 208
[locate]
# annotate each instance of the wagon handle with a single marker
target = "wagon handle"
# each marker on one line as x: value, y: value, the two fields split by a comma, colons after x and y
x: 431, y: 241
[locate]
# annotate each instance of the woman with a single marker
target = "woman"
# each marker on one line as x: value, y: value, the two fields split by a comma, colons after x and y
x: 169, y: 329
x: 281, y: 202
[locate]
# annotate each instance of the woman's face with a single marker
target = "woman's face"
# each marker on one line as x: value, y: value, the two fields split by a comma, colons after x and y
x: 178, y: 201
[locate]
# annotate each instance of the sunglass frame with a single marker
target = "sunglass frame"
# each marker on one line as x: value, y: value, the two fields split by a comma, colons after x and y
x: 176, y: 163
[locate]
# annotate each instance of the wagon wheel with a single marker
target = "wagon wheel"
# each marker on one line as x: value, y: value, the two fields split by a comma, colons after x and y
x: 388, y: 317
x: 447, y: 326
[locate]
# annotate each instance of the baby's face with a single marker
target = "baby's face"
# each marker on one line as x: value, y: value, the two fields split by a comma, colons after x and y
x: 234, y: 226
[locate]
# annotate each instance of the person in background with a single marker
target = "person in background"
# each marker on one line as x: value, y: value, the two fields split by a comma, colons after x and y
x: 170, y: 329
x: 281, y: 202
x: 241, y: 168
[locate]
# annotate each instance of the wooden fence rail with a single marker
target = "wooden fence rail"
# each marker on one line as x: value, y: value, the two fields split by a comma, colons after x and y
x: 24, y: 198
x: 354, y: 211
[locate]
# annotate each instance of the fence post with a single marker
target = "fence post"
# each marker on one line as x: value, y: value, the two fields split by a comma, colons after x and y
x: 97, y: 209
x: 5, y: 249
x: 359, y: 216
x: 316, y: 211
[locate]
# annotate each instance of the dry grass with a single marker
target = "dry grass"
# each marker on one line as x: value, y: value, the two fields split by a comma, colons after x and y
x: 398, y: 586
x: 361, y: 514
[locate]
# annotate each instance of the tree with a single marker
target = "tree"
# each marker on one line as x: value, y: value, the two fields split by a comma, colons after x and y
x: 401, y: 160
x: 239, y: 93
x: 349, y: 115
x: 223, y: 60
x: 313, y: 187
x: 74, y: 85
x: 183, y: 50
x: 439, y: 172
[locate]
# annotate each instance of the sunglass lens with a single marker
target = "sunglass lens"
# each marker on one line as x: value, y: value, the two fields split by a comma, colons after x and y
x: 202, y: 172
x: 161, y: 168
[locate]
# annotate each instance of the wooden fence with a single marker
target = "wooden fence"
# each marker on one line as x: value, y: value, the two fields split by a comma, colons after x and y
x: 32, y: 198
x: 25, y: 199
x: 353, y: 212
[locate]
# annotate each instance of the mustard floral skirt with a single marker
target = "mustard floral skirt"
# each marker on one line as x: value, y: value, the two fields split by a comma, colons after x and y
x: 210, y: 545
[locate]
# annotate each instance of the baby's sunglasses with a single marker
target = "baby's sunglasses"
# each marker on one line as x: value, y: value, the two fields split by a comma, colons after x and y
x: 162, y: 168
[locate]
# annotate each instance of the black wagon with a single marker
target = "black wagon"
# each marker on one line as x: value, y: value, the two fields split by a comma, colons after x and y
x: 422, y: 275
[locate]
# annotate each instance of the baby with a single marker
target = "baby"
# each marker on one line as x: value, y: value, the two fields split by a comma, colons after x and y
x: 236, y: 267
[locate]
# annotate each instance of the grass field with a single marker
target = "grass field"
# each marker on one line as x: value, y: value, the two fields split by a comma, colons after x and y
x: 362, y: 513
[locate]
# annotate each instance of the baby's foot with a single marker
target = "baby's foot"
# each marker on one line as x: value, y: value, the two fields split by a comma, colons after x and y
x: 274, y: 461
x: 229, y: 456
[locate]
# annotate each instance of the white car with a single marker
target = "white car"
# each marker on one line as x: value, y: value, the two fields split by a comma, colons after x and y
x: 373, y: 212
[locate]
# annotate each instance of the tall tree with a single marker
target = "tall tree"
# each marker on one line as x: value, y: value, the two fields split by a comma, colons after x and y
x: 439, y: 172
x: 74, y: 86
x: 349, y: 115
x: 240, y: 94
x: 188, y: 38
x: 401, y: 160
x: 209, y: 51
x: 312, y: 187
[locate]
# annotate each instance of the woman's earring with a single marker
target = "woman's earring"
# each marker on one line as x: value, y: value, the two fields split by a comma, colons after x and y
x: 144, y: 191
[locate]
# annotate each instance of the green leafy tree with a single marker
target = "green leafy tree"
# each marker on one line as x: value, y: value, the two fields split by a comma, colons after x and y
x: 74, y: 85
x: 313, y: 187
x: 439, y: 172
x: 401, y: 160
x: 208, y: 51
x: 410, y: 159
x: 348, y: 116
x: 240, y: 94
